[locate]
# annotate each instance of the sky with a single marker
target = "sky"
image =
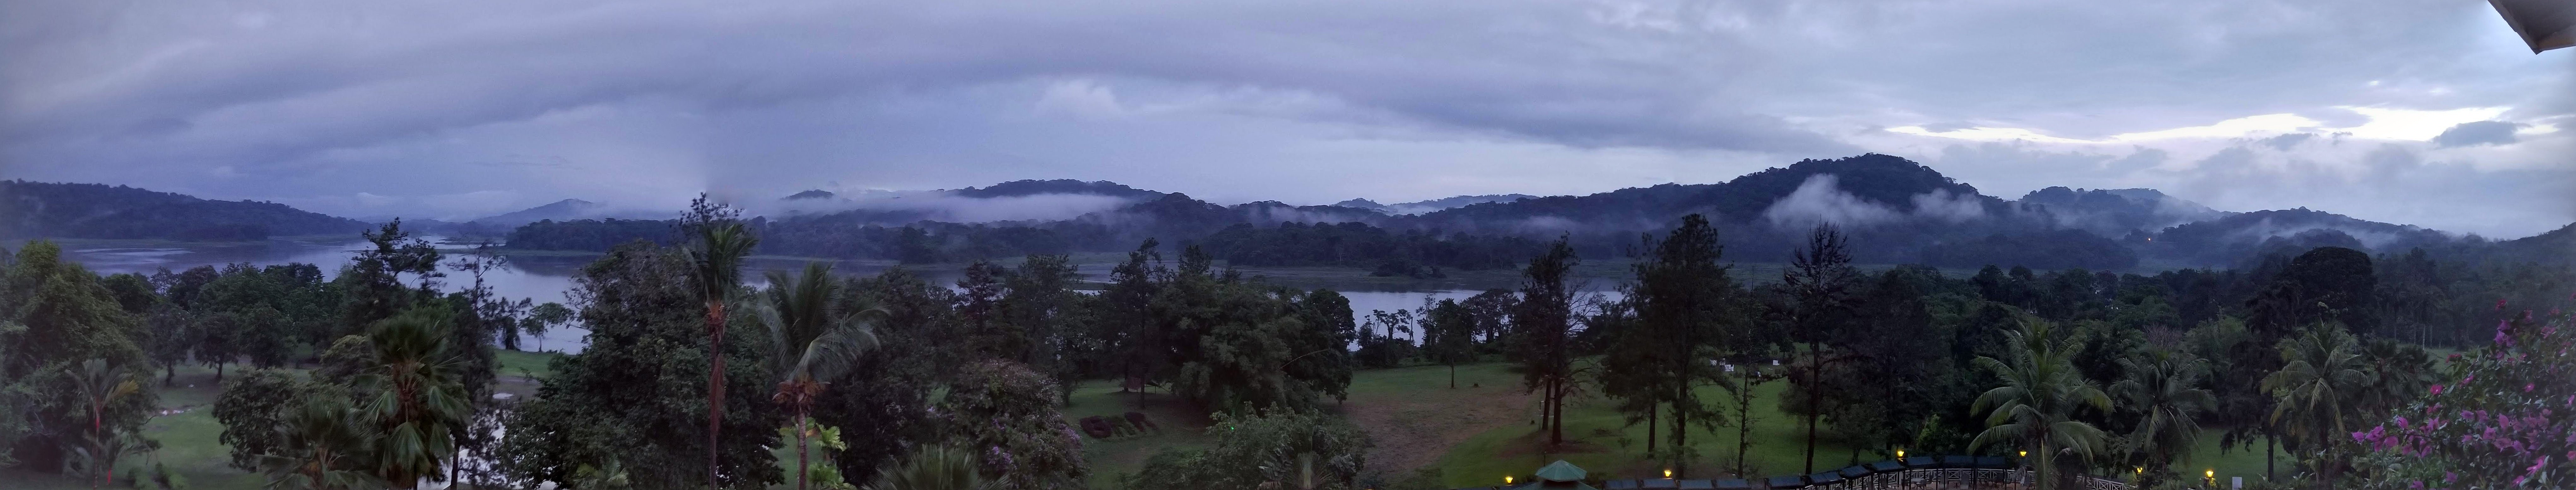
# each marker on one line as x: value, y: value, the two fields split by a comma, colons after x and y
x: 2426, y: 112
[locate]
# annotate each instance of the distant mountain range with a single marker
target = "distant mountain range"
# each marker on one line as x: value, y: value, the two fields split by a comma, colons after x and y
x: 564, y: 210
x: 1894, y: 210
x: 41, y: 209
x: 1419, y: 207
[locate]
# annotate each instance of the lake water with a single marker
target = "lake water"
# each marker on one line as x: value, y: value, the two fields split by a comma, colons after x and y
x: 547, y: 278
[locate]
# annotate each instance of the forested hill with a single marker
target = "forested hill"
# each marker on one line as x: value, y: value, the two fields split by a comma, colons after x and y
x: 1893, y: 210
x: 65, y: 210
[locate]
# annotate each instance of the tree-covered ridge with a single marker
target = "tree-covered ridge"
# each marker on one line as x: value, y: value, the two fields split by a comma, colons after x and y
x: 65, y: 210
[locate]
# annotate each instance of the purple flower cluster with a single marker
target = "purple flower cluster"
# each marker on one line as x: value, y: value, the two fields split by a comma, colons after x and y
x: 2508, y: 420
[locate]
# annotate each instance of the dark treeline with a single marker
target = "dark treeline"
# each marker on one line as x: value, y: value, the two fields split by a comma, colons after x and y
x: 41, y: 209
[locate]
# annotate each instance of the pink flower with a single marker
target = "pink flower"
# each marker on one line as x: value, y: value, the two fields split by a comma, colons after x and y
x: 2437, y: 389
x: 2526, y: 387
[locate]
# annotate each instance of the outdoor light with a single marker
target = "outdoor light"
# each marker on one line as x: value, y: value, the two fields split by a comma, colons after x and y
x: 2142, y: 470
x: 2025, y: 454
x: 1507, y: 479
x: 1900, y: 454
x: 1668, y: 473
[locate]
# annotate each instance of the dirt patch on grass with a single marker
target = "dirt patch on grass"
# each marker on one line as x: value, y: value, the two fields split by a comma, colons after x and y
x: 1414, y: 428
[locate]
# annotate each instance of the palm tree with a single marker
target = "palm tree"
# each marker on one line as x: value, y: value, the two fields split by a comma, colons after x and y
x: 2036, y: 405
x: 2317, y: 387
x: 936, y: 467
x: 101, y: 384
x: 2164, y: 386
x: 816, y: 341
x: 321, y: 443
x: 417, y: 402
x: 716, y: 269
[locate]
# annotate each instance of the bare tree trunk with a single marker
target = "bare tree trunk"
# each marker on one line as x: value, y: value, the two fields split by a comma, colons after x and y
x: 1815, y: 375
x: 800, y: 450
x: 1651, y: 413
x: 715, y: 388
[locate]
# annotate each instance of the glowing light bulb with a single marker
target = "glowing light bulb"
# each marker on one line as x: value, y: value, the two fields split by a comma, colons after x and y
x: 1507, y: 479
x: 1668, y: 472
x: 1900, y: 454
x: 2025, y: 454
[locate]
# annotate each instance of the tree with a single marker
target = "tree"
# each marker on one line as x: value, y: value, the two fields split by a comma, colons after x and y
x: 2036, y: 406
x: 1544, y: 329
x: 1040, y: 303
x: 1819, y: 278
x: 716, y: 270
x: 252, y: 407
x: 543, y: 317
x: 416, y: 403
x: 173, y: 332
x: 99, y: 385
x: 55, y: 315
x: 1284, y: 450
x: 2322, y: 376
x: 1009, y: 411
x: 1682, y: 298
x: 932, y: 467
x: 1449, y: 336
x: 322, y: 446
x: 816, y: 341
x: 372, y: 281
x: 2162, y: 389
x: 629, y: 395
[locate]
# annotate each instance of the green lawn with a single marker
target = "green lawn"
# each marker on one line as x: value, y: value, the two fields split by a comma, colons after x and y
x: 1609, y: 448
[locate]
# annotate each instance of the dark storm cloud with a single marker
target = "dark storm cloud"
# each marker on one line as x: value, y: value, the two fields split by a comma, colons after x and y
x: 461, y: 109
x: 2478, y: 133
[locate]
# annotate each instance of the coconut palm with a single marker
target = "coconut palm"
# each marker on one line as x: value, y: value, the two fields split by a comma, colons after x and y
x: 2317, y: 389
x: 936, y: 467
x: 101, y: 384
x: 2036, y: 405
x: 816, y: 341
x: 321, y: 443
x: 715, y: 271
x: 2164, y: 387
x: 416, y: 401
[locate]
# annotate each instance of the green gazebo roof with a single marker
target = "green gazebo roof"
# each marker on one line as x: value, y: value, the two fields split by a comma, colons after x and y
x: 1560, y: 471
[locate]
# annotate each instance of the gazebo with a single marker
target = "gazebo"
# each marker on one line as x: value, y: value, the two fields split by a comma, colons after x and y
x: 1559, y: 475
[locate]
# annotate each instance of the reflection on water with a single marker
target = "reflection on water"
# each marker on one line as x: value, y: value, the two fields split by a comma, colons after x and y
x: 548, y: 278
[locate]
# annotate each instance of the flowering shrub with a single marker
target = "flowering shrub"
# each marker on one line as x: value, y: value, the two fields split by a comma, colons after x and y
x: 1005, y: 413
x: 2503, y: 416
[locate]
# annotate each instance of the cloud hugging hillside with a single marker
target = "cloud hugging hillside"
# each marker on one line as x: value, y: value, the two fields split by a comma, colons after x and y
x: 1895, y: 210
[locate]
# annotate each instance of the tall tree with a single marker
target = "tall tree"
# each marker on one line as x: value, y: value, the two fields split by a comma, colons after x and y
x: 417, y: 401
x: 321, y: 446
x: 1682, y: 298
x: 721, y: 244
x: 1819, y: 279
x: 629, y: 395
x: 1544, y: 329
x: 1449, y: 336
x: 2036, y: 406
x: 2163, y: 391
x: 816, y: 341
x: 2319, y: 390
x: 100, y: 385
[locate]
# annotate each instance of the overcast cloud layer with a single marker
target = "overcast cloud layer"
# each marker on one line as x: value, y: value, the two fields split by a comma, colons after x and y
x: 2424, y: 112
